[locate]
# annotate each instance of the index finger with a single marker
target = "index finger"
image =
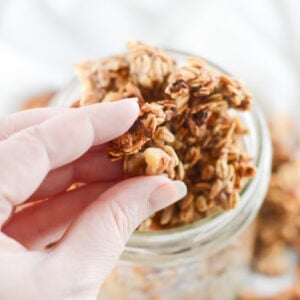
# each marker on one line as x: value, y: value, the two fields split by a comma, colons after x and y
x: 27, y: 156
x: 22, y: 119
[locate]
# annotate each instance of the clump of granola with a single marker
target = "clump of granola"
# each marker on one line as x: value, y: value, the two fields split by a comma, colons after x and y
x: 292, y: 293
x: 279, y: 219
x: 184, y: 130
x: 38, y: 100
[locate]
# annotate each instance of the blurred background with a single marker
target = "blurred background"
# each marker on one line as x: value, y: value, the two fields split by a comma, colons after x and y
x: 257, y: 41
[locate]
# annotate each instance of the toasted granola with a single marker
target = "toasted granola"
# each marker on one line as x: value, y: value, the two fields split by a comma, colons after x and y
x: 185, y: 129
x: 292, y: 293
x: 39, y: 100
x: 279, y: 218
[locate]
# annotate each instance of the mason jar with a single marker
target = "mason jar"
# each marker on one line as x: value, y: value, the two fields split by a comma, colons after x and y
x: 204, y: 260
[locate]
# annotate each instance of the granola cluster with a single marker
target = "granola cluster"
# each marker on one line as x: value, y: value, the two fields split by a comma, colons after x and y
x: 39, y: 100
x: 185, y: 130
x: 290, y: 294
x: 279, y: 218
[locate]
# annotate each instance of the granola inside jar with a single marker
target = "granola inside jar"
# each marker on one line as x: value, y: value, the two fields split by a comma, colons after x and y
x: 201, y: 253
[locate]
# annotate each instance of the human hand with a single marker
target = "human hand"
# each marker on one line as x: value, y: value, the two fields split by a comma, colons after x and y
x: 42, y: 152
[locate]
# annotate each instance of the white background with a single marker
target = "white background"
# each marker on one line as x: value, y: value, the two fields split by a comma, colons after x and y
x: 256, y: 40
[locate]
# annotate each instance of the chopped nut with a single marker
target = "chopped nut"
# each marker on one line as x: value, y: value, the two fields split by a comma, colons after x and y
x: 167, y: 215
x: 201, y: 204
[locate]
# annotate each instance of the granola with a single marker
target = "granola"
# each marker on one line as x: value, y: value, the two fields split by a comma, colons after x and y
x: 292, y: 293
x: 39, y: 100
x: 185, y: 129
x: 279, y: 218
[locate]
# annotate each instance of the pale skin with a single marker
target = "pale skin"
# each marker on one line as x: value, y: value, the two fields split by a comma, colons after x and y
x: 42, y: 152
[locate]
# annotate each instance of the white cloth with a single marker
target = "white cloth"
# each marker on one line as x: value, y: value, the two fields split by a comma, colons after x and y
x: 257, y: 40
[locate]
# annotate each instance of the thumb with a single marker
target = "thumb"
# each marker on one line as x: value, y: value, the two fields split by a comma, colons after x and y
x: 94, y: 242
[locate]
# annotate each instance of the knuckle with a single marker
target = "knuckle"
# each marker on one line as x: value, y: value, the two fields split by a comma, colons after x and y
x: 7, y: 128
x: 33, y: 133
x: 124, y: 220
x: 33, y: 136
x: 6, y: 206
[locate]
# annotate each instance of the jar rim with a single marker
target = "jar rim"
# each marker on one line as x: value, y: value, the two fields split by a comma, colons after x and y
x: 168, y: 242
x: 248, y: 186
x: 149, y: 241
x: 212, y: 233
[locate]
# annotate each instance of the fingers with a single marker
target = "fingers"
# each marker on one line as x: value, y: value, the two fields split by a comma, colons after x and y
x: 91, y: 167
x: 96, y: 239
x: 23, y: 119
x: 30, y: 154
x: 40, y: 224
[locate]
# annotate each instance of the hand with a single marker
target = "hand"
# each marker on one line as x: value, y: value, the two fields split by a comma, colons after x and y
x: 43, y: 151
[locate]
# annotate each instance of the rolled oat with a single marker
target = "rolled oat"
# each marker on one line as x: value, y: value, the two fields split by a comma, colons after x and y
x: 184, y: 130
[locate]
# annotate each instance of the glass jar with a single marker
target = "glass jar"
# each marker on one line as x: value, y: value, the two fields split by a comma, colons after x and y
x: 204, y: 260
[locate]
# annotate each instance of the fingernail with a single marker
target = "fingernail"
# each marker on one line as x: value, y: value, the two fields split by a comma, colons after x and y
x: 167, y: 194
x: 133, y: 99
x: 180, y: 188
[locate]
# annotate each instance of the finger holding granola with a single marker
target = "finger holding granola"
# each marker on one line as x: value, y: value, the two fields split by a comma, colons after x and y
x: 56, y: 142
x: 41, y: 156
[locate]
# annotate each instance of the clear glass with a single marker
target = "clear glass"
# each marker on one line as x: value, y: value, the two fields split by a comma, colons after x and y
x: 204, y: 260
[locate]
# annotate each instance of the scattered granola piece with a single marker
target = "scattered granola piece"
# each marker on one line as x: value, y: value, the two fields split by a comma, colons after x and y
x: 40, y: 100
x: 279, y: 218
x: 293, y: 293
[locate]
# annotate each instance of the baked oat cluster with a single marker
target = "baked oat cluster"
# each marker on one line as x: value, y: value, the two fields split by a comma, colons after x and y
x: 279, y: 218
x: 39, y: 100
x: 292, y: 293
x: 289, y: 294
x: 185, y: 129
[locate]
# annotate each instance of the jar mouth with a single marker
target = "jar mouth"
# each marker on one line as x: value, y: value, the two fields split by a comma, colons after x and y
x: 215, y: 227
x: 261, y: 152
x: 258, y: 146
